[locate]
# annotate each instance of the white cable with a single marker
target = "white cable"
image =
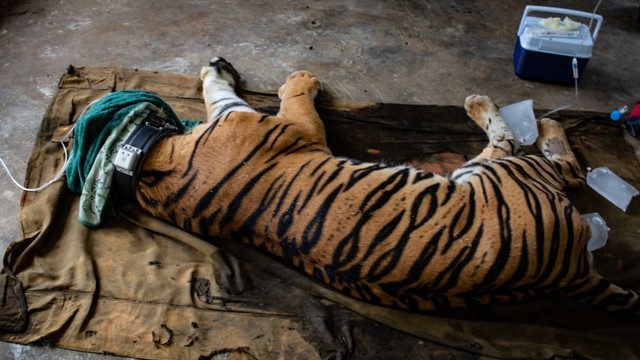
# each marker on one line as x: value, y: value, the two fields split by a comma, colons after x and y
x: 54, y: 179
x: 64, y: 165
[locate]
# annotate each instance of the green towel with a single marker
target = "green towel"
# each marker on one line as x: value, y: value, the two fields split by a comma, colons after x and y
x: 98, y: 135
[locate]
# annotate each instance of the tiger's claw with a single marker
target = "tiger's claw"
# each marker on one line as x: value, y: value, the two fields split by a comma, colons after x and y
x: 224, y: 69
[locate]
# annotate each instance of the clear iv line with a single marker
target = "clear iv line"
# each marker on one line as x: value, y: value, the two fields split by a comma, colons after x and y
x: 574, y: 68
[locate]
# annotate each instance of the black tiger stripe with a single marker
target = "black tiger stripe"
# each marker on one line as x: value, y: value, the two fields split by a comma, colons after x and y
x: 426, y: 255
x: 565, y: 263
x: 530, y: 195
x: 284, y: 150
x: 313, y: 230
x: 226, y: 108
x: 422, y: 176
x: 504, y: 245
x: 204, y: 202
x: 551, y: 255
x: 176, y: 196
x: 236, y: 203
x: 519, y: 174
x: 429, y: 195
x: 452, y: 272
x: 451, y: 189
x: 392, y: 256
x: 205, y: 222
x: 300, y: 148
x: 384, y: 233
x: 347, y: 248
x: 384, y: 263
x: 186, y: 224
x: 576, y: 287
x: 590, y: 294
x: 172, y: 212
x: 284, y: 223
x: 247, y: 230
x: 361, y: 173
x: 484, y: 188
x: 282, y: 131
x: 148, y: 200
x: 320, y: 165
x: 541, y: 167
x: 365, y: 293
x: 340, y: 167
x: 534, y: 206
x: 400, y: 178
x: 151, y: 178
x: 311, y: 192
x: 284, y: 193
x: 523, y: 263
x: 198, y: 142
x: 522, y: 169
x: 470, y: 207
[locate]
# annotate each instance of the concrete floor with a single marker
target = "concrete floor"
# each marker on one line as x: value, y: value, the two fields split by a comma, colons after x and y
x: 400, y: 51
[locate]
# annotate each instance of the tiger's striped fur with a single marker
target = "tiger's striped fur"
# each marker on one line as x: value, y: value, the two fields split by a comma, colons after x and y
x: 499, y: 229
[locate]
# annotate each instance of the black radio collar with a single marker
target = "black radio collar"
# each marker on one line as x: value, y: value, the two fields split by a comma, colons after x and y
x: 129, y: 159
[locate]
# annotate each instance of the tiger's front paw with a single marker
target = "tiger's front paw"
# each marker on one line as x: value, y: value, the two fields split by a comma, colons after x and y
x: 478, y: 105
x: 480, y: 109
x: 221, y: 68
x: 300, y: 82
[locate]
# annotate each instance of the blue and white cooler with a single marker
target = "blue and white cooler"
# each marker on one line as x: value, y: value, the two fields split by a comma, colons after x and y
x: 546, y: 47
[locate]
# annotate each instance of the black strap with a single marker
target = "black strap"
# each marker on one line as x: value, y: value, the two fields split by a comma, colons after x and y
x: 133, y: 152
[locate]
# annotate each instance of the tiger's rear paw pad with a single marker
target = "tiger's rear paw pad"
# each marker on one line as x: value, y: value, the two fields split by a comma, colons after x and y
x: 552, y: 140
x: 225, y: 69
x: 554, y: 147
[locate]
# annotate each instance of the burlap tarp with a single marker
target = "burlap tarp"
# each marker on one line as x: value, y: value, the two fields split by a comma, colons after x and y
x: 139, y: 287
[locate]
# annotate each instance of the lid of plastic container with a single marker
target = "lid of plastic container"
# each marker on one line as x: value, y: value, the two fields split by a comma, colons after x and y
x: 535, y: 37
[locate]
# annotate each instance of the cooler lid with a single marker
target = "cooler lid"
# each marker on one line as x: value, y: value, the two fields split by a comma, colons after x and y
x: 579, y: 42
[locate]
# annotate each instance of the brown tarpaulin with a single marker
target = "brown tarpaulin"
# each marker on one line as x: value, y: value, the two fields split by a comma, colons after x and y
x: 139, y: 287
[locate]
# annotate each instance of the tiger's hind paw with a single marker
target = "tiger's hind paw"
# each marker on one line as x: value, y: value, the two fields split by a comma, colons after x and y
x: 554, y: 145
x: 480, y: 108
x: 552, y: 141
x: 223, y: 69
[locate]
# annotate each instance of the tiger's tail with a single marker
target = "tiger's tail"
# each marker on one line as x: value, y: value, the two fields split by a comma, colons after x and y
x: 597, y: 291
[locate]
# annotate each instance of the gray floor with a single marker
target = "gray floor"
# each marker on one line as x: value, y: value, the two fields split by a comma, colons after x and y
x: 371, y: 51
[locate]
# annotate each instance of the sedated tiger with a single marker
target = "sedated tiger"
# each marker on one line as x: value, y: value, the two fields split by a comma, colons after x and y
x: 498, y: 229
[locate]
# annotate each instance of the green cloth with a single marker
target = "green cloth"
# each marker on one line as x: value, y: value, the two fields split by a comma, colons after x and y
x: 98, y: 134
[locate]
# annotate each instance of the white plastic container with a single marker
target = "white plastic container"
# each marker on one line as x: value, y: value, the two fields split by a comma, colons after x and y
x: 599, y: 231
x: 611, y: 186
x: 521, y: 120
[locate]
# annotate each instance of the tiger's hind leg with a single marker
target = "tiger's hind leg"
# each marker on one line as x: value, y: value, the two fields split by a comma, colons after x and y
x: 502, y: 142
x: 218, y: 82
x: 554, y: 145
